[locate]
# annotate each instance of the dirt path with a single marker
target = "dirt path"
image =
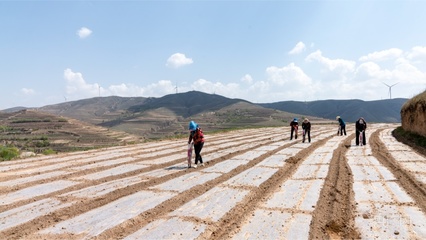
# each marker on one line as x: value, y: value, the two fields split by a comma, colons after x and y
x: 253, y: 186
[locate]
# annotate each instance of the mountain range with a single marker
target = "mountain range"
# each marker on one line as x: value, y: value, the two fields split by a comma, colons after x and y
x: 169, y: 115
x: 383, y: 111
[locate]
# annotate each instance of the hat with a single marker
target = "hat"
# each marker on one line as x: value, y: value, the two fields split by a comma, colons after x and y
x: 337, y: 117
x: 295, y: 119
x: 306, y: 120
x: 192, y: 126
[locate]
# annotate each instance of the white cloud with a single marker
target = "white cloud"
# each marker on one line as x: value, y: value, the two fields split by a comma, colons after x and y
x: 290, y: 74
x: 370, y: 76
x: 408, y: 73
x: 403, y: 72
x: 300, y: 47
x: 231, y: 90
x: 77, y: 86
x: 27, y: 91
x: 282, y: 83
x: 417, y: 52
x: 84, y: 32
x: 128, y: 90
x: 342, y: 65
x: 247, y: 79
x: 384, y: 55
x: 160, y: 88
x: 372, y: 71
x: 178, y: 60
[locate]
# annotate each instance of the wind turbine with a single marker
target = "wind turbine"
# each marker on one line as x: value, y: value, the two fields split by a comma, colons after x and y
x: 390, y: 89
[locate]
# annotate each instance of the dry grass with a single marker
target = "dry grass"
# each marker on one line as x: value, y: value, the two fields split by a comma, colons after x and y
x: 418, y: 99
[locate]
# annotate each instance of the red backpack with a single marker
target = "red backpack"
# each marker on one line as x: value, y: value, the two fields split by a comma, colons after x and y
x: 198, y: 136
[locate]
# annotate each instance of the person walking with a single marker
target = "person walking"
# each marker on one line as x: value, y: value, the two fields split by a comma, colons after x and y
x: 360, y: 127
x: 197, y: 137
x: 306, y: 126
x: 294, y: 126
x: 342, y: 124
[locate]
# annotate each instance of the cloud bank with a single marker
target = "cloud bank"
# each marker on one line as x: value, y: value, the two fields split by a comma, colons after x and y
x: 333, y: 79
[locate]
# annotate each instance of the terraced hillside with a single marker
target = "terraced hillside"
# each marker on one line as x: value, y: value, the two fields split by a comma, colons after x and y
x: 35, y: 131
x: 256, y: 184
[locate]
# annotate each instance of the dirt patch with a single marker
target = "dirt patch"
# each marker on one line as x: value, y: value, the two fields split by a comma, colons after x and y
x: 334, y: 214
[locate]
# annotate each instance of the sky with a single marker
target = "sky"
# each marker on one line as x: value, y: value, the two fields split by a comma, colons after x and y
x: 261, y: 51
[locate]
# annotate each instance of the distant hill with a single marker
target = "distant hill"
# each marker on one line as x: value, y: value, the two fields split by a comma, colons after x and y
x: 12, y: 110
x: 94, y: 110
x: 169, y: 115
x: 187, y: 104
x: 384, y: 111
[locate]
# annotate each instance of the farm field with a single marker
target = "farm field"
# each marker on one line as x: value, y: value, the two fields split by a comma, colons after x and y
x: 256, y: 184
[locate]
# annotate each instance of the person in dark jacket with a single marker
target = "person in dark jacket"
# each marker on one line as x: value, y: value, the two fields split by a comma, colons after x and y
x: 294, y: 126
x: 360, y: 127
x: 342, y: 124
x: 196, y: 135
x: 306, y: 126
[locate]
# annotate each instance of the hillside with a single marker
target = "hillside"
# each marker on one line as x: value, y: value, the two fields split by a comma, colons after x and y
x: 414, y: 115
x: 169, y: 115
x: 38, y: 132
x: 384, y: 111
x: 187, y: 104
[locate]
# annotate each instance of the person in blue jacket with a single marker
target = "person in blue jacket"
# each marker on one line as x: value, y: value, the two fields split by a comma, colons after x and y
x: 294, y: 125
x: 196, y: 136
x: 342, y: 125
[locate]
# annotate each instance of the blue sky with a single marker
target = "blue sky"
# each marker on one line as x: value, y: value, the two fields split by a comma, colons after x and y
x: 260, y: 51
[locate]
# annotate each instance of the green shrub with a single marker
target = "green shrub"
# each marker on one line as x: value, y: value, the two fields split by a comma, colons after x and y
x: 5, y: 128
x: 26, y: 120
x: 41, y: 144
x: 49, y: 151
x: 7, y: 153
